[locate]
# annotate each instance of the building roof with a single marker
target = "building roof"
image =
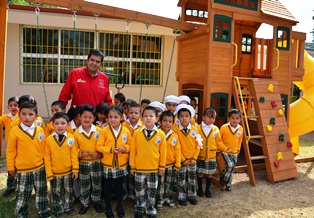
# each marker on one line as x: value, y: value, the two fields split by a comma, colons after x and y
x: 277, y: 9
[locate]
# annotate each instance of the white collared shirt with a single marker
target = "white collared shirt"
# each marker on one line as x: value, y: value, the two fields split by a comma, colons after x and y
x: 136, y: 125
x: 181, y: 127
x: 169, y: 133
x: 92, y: 129
x: 73, y: 126
x: 206, y: 128
x: 234, y: 129
x: 154, y: 129
x: 30, y: 129
x: 11, y: 116
x: 56, y: 134
x: 116, y: 132
x: 101, y: 124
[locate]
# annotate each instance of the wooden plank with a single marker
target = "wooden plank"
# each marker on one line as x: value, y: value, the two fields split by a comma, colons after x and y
x: 274, y: 139
x: 284, y: 175
x: 82, y: 5
x: 278, y: 147
x: 287, y: 155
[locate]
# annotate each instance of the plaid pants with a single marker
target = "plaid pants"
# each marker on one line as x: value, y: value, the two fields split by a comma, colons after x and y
x: 165, y: 186
x: 227, y: 173
x: 90, y: 178
x: 62, y: 193
x: 130, y: 181
x: 143, y: 204
x: 26, y: 183
x: 11, y: 182
x: 190, y: 172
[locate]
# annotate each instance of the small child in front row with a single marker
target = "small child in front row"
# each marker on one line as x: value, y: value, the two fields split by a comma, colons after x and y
x: 61, y: 165
x: 173, y: 162
x: 6, y: 120
x: 206, y: 162
x: 56, y: 106
x: 190, y: 148
x: 102, y: 110
x: 90, y: 175
x: 231, y: 135
x: 114, y: 143
x: 25, y: 154
x: 147, y: 161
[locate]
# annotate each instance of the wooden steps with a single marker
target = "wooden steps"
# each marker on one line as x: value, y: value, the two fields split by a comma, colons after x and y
x: 267, y: 141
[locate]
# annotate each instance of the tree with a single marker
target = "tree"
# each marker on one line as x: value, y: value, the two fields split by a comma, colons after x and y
x: 24, y: 2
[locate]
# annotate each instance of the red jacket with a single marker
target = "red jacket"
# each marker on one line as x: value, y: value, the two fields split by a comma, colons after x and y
x: 82, y: 88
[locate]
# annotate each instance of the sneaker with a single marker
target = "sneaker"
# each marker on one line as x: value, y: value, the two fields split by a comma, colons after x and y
x: 71, y: 212
x: 193, y: 201
x: 222, y: 181
x: 45, y: 215
x: 159, y: 207
x: 7, y: 192
x: 83, y: 210
x: 228, y: 188
x: 182, y: 202
x: 172, y: 205
x: 109, y: 213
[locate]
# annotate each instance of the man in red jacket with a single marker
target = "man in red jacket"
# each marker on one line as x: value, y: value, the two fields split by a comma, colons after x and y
x: 87, y: 85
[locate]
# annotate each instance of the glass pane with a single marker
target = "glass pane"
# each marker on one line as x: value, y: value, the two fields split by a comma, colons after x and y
x: 146, y: 74
x: 249, y: 41
x: 243, y: 40
x: 248, y: 48
x: 215, y: 102
x: 195, y: 13
x: 206, y: 14
x: 188, y: 12
x: 221, y: 111
x: 222, y: 102
x: 218, y: 24
x: 66, y: 65
x: 243, y: 48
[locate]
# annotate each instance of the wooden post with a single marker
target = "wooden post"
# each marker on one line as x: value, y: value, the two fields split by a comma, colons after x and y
x: 3, y: 34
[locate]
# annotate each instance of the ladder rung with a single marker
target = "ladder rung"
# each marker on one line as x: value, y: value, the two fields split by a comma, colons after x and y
x: 255, y: 142
x: 247, y: 97
x: 256, y: 136
x: 260, y: 157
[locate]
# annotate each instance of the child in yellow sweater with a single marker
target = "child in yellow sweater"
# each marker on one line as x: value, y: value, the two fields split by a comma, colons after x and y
x: 61, y: 164
x: 56, y: 106
x: 86, y: 137
x: 231, y: 135
x: 206, y: 162
x: 25, y: 154
x: 147, y: 161
x: 102, y: 110
x: 114, y: 143
x: 6, y: 120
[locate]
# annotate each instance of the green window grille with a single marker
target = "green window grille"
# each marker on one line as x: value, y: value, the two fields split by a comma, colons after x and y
x: 246, y: 44
x: 222, y: 28
x: 283, y: 38
x: 245, y: 4
x: 219, y: 102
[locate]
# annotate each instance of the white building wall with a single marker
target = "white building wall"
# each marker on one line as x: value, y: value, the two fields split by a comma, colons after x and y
x: 14, y: 86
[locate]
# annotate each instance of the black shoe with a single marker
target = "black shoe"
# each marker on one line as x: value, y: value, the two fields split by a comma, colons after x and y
x: 109, y: 213
x: 77, y: 200
x: 208, y: 194
x: 45, y: 215
x: 152, y: 216
x: 200, y: 193
x: 222, y: 181
x: 193, y: 201
x: 120, y: 212
x: 7, y: 192
x: 83, y: 210
x: 182, y: 202
x: 98, y: 208
x: 228, y: 188
x: 59, y: 215
x: 71, y: 212
x: 175, y: 188
x: 138, y: 215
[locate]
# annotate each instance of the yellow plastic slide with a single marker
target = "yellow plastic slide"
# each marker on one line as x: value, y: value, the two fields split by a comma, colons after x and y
x: 301, y: 118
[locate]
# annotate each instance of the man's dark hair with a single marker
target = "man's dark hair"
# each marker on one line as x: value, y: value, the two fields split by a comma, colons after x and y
x: 96, y: 53
x: 60, y: 115
x: 29, y: 105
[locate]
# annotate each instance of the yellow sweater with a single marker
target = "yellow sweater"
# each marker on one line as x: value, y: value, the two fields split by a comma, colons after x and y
x: 230, y: 139
x: 5, y: 120
x: 189, y: 146
x: 50, y: 129
x: 108, y: 141
x: 148, y: 155
x: 211, y: 144
x: 38, y: 122
x: 86, y: 143
x: 60, y: 157
x: 25, y: 152
x: 130, y: 128
x: 173, y: 151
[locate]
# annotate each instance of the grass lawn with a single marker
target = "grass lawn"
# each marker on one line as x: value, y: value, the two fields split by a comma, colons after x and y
x: 291, y: 198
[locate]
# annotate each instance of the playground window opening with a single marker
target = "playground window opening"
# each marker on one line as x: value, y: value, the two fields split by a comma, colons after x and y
x: 222, y: 28
x: 283, y: 38
x: 196, y: 13
x: 137, y: 56
x: 245, y: 4
x: 246, y: 44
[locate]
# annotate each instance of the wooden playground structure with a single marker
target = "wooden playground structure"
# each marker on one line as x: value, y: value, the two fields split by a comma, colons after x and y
x: 220, y: 61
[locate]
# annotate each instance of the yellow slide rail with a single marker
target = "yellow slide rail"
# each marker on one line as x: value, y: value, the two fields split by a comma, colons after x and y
x: 244, y: 111
x: 278, y: 56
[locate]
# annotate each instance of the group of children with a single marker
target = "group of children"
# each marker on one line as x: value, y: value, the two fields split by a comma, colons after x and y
x: 139, y: 150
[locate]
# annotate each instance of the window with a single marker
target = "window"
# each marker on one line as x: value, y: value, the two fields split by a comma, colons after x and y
x: 196, y: 13
x: 246, y: 44
x: 245, y: 4
x: 222, y: 28
x: 219, y: 102
x: 283, y: 38
x: 137, y: 56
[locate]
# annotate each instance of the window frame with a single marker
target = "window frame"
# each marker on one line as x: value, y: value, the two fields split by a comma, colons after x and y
x: 282, y: 38
x: 222, y: 18
x: 247, y: 36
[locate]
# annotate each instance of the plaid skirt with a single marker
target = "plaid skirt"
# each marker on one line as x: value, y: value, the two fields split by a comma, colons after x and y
x: 206, y: 167
x: 114, y: 173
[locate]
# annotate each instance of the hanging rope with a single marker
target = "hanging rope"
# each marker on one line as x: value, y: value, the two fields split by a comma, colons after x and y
x: 37, y: 10
x: 126, y: 46
x: 144, y: 62
x: 171, y: 57
x: 96, y: 15
x: 74, y: 37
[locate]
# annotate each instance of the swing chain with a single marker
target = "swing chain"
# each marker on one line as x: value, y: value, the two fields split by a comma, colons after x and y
x: 37, y: 10
x: 96, y: 15
x: 74, y: 37
x: 175, y: 31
